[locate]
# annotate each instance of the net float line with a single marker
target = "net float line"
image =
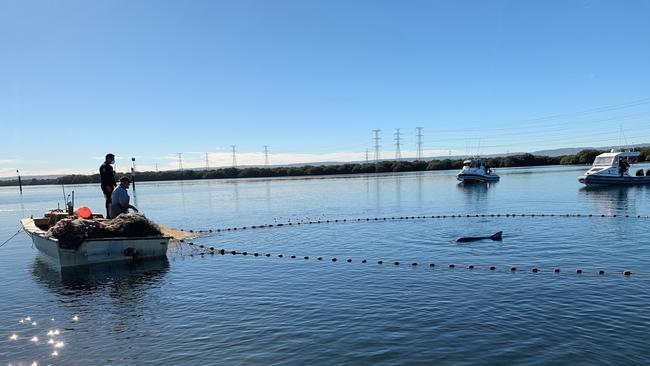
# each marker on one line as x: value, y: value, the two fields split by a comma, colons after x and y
x: 205, y: 250
x: 407, y: 218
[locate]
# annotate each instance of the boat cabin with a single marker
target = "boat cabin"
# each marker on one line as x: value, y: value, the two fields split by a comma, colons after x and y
x: 476, y: 164
x: 473, y: 163
x: 615, y: 160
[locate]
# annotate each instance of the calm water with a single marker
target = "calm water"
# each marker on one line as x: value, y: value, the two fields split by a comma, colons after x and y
x: 246, y: 310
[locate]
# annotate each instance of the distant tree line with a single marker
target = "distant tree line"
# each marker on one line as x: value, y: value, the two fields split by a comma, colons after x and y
x: 519, y: 160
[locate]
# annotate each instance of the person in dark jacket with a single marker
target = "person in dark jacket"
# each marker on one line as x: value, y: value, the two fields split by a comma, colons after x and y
x: 623, y: 166
x: 107, y: 177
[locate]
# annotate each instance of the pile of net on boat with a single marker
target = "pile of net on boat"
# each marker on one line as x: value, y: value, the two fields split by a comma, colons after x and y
x: 72, y: 232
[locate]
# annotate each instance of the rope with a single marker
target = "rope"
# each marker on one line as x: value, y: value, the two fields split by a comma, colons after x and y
x: 13, y: 236
x: 202, y: 250
x: 403, y: 218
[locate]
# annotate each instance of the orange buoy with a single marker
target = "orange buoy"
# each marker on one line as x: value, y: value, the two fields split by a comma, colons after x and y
x: 84, y: 212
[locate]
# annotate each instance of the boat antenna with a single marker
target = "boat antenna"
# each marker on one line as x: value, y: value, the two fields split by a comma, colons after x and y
x: 65, y: 202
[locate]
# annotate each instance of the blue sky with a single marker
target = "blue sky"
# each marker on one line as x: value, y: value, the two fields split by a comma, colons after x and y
x: 311, y: 79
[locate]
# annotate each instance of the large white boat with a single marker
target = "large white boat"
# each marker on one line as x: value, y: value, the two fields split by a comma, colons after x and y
x: 475, y: 170
x: 91, y: 250
x: 614, y: 168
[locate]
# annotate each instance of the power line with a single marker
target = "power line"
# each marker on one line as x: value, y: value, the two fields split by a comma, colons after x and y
x: 398, y: 151
x: 266, y: 155
x: 234, y: 156
x: 419, y: 143
x: 561, y: 118
x: 538, y: 131
x: 376, y: 145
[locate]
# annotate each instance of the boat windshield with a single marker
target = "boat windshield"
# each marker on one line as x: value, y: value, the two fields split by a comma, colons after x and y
x: 603, y: 161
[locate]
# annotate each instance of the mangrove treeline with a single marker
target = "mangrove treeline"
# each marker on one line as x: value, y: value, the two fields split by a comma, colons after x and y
x: 520, y: 160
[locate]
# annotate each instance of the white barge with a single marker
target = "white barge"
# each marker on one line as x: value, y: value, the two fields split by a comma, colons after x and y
x: 93, y: 250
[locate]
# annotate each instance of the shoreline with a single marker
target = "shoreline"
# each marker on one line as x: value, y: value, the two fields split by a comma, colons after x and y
x: 583, y: 158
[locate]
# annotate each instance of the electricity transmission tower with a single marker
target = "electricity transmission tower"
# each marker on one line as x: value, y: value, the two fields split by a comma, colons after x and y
x: 266, y: 155
x: 234, y: 156
x: 366, y: 156
x: 207, y: 162
x: 376, y: 145
x: 180, y: 161
x: 419, y: 136
x: 398, y: 151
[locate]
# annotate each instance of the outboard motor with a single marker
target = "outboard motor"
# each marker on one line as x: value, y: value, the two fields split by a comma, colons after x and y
x: 639, y: 173
x: 131, y: 252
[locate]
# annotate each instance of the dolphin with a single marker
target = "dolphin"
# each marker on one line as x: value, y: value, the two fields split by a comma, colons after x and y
x: 467, y: 239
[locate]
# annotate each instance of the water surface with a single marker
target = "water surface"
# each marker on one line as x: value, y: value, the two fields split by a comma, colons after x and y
x: 259, y: 310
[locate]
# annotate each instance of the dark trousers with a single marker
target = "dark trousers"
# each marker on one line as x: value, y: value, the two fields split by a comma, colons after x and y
x: 107, y: 196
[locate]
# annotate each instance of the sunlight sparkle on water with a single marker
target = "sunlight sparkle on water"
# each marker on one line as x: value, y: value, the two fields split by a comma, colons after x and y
x: 59, y: 345
x: 34, y: 339
x: 50, y: 341
x: 55, y: 353
x: 33, y: 323
x: 75, y: 318
x: 13, y: 337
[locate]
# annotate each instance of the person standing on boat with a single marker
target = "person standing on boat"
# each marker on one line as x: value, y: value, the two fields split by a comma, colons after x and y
x: 120, y: 199
x: 623, y: 166
x: 107, y: 178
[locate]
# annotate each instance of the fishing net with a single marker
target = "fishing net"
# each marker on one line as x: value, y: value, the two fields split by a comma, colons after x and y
x: 72, y: 232
x: 131, y: 225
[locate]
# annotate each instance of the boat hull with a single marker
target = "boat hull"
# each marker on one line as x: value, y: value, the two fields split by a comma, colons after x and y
x: 92, y: 251
x: 476, y: 178
x: 613, y: 180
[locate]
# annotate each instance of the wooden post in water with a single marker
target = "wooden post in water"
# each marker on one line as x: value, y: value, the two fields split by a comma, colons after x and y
x: 20, y: 182
x: 133, y: 174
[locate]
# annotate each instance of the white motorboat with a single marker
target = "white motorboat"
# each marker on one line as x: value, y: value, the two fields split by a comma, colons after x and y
x: 91, y: 250
x: 475, y: 170
x: 613, y: 168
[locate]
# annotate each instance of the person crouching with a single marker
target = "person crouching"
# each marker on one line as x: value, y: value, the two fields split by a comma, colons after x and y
x: 120, y: 199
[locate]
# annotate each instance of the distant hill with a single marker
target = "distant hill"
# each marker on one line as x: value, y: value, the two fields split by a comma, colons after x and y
x: 575, y: 150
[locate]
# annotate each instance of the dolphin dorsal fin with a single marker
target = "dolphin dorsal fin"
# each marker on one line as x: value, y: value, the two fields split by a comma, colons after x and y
x: 497, y: 236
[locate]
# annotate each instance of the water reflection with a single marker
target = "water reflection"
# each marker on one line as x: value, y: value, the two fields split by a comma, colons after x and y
x: 418, y: 181
x: 235, y: 186
x: 181, y: 185
x: 398, y: 191
x: 267, y: 186
x: 119, y: 278
x: 612, y: 199
x: 475, y: 192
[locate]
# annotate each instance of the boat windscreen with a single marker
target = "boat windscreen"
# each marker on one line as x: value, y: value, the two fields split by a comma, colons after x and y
x: 603, y: 161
